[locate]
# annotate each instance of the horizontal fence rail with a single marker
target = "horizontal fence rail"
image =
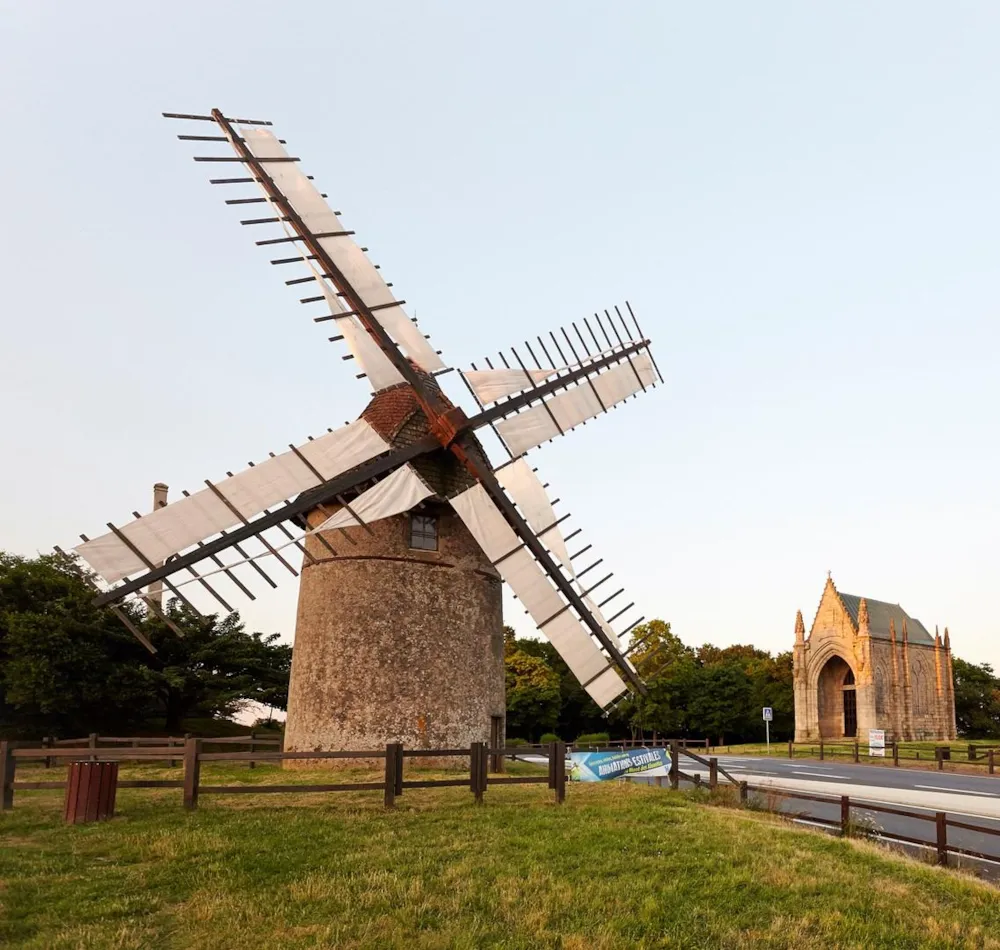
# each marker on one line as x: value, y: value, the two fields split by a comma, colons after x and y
x: 979, y: 756
x: 479, y: 755
x: 847, y: 805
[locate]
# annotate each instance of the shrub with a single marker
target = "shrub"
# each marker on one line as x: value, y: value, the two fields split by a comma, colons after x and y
x: 593, y: 738
x: 549, y: 737
x: 512, y: 742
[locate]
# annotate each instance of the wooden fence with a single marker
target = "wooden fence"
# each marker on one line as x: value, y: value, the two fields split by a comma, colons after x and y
x: 846, y: 826
x: 392, y: 784
x: 982, y: 756
x: 482, y: 761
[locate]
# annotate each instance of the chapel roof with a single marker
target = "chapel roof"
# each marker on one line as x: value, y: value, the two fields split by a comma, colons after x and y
x: 879, y: 616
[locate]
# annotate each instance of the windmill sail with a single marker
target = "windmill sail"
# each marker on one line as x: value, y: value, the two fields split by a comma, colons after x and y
x: 560, y: 413
x: 402, y: 491
x: 553, y: 616
x: 489, y: 385
x: 507, y: 510
x: 153, y: 538
x: 321, y: 223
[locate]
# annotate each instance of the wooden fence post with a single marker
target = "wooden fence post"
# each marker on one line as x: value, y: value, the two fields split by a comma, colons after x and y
x: 713, y: 773
x: 744, y: 793
x: 991, y: 762
x: 253, y: 748
x: 47, y: 743
x: 192, y: 772
x: 972, y: 753
x: 476, y: 768
x: 845, y: 815
x: 791, y: 749
x: 942, y: 838
x: 856, y: 750
x: 399, y: 769
x: 484, y: 767
x: 7, y: 766
x: 560, y: 772
x: 92, y: 744
x: 821, y: 750
x: 390, y: 775
x: 939, y: 755
x: 895, y: 754
x: 675, y: 754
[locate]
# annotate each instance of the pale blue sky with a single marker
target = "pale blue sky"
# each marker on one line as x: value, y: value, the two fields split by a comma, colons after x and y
x: 799, y: 199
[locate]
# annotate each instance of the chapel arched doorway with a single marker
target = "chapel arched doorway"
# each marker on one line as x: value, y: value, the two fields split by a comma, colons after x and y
x: 838, y: 705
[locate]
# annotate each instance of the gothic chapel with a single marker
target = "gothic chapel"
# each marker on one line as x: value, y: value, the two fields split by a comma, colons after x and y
x: 868, y: 665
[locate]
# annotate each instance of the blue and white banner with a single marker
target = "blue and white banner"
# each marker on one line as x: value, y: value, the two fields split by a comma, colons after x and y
x: 601, y: 766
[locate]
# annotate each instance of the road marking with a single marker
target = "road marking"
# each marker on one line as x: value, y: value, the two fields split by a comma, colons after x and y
x: 958, y: 791
x: 826, y: 775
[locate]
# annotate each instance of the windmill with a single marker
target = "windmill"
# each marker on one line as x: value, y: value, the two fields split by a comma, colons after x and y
x: 404, y: 523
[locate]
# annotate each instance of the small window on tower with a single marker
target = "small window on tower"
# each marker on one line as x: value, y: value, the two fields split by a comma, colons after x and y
x: 423, y: 532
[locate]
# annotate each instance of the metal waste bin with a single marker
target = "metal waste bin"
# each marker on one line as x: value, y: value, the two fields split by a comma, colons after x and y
x: 90, y: 791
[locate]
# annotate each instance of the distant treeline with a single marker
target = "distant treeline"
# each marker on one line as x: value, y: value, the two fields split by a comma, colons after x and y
x: 699, y: 692
x: 68, y: 668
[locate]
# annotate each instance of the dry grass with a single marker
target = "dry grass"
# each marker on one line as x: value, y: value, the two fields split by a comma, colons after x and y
x: 618, y: 866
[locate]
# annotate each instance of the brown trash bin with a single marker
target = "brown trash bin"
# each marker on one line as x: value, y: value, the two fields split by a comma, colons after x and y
x: 90, y: 791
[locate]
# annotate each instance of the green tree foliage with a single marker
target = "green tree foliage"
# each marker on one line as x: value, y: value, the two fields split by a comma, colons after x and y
x: 216, y: 668
x: 532, y: 691
x: 977, y: 700
x: 68, y: 668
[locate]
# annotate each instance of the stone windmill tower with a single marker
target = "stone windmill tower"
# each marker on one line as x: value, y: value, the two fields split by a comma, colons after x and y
x: 404, y: 526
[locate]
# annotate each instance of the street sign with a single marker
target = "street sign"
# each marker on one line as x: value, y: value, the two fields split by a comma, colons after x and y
x: 768, y: 716
x: 876, y: 742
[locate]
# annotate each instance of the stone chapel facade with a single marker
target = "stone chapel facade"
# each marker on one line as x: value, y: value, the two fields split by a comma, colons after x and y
x: 869, y: 665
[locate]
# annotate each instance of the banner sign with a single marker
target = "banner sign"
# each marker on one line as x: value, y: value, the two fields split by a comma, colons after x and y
x: 600, y: 766
x: 876, y: 742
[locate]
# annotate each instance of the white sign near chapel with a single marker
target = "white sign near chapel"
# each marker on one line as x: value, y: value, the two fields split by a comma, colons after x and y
x: 876, y: 742
x: 768, y: 714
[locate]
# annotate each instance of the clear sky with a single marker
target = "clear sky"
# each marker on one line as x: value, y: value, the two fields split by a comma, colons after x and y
x: 800, y: 200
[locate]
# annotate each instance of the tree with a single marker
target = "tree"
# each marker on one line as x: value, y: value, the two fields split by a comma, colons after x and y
x: 533, y: 698
x: 217, y: 668
x: 721, y: 700
x: 68, y: 667
x: 977, y: 699
x: 656, y: 646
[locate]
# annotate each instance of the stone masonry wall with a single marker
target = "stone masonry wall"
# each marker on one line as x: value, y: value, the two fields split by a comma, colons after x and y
x: 394, y: 644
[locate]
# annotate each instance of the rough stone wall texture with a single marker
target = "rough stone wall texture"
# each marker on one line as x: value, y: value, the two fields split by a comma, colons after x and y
x: 833, y: 645
x: 394, y: 644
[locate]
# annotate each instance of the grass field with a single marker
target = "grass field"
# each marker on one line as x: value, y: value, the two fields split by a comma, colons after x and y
x: 617, y: 866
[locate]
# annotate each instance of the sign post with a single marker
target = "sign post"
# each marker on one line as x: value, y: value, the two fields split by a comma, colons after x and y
x: 768, y: 716
x: 876, y: 742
